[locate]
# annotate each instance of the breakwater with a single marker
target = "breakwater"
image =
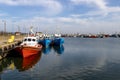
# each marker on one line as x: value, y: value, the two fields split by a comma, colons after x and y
x: 92, y: 35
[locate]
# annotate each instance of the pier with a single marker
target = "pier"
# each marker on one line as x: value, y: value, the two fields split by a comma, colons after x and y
x: 6, y: 46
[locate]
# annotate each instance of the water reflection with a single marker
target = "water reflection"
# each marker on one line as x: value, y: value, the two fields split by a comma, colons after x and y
x: 93, y: 59
x: 6, y: 64
x: 23, y: 64
x: 57, y: 49
x: 19, y: 63
x: 46, y: 50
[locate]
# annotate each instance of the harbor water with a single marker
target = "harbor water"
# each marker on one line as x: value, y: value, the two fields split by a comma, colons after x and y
x: 77, y: 59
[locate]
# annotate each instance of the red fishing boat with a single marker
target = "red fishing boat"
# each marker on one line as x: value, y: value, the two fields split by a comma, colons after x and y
x: 29, y: 47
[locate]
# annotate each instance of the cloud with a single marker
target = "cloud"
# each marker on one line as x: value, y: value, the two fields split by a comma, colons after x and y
x: 100, y: 3
x: 59, y: 20
x: 68, y: 24
x: 2, y: 14
x: 103, y: 8
x: 51, y: 6
x: 102, y: 19
x: 74, y: 24
x: 28, y: 2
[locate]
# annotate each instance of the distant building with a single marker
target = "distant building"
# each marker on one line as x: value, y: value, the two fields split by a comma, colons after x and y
x: 17, y: 33
x: 39, y: 33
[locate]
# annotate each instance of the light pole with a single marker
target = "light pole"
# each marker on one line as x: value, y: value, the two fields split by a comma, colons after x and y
x: 4, y: 26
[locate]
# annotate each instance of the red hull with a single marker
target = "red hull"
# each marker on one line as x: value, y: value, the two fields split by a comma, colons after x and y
x: 26, y: 51
x: 30, y: 61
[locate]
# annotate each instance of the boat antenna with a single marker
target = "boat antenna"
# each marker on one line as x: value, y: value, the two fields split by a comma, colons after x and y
x: 31, y: 29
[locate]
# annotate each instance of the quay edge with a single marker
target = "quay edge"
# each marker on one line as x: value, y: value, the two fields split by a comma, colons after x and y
x: 5, y: 48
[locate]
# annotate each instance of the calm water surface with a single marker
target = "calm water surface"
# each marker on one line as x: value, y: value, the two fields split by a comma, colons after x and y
x: 77, y: 59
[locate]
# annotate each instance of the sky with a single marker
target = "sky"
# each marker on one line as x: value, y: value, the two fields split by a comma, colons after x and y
x: 61, y: 16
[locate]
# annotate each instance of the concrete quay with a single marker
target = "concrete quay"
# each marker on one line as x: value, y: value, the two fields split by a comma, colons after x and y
x: 5, y: 47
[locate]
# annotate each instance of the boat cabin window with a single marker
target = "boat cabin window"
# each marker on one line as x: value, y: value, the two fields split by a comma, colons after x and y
x: 33, y: 39
x: 29, y: 39
x: 25, y: 39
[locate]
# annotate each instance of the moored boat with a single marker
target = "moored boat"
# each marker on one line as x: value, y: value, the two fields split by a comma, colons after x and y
x: 29, y: 46
x: 45, y: 41
x: 58, y: 40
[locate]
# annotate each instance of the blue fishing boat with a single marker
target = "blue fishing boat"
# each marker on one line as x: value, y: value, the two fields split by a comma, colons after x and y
x: 57, y: 40
x: 46, y: 41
